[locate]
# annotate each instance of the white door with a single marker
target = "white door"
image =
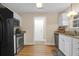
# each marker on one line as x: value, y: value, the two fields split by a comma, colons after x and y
x: 39, y: 26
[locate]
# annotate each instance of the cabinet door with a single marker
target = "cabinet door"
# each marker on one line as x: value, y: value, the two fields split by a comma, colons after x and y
x: 63, y: 20
x: 61, y: 43
x: 65, y: 44
x: 68, y: 46
x: 75, y: 47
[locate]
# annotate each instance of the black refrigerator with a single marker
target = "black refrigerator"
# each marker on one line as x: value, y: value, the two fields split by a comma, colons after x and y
x: 6, y: 32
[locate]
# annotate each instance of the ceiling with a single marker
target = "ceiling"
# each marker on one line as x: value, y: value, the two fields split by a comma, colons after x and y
x: 31, y: 7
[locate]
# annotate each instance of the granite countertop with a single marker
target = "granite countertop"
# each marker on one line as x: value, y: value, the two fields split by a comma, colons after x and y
x: 70, y: 34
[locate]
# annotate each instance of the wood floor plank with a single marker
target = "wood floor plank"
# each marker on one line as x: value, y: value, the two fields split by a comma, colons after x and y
x: 37, y: 50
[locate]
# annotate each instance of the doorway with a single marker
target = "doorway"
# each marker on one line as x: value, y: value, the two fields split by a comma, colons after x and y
x: 39, y: 29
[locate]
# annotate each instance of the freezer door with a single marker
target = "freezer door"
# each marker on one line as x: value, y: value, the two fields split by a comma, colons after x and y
x: 10, y: 36
x: 1, y: 33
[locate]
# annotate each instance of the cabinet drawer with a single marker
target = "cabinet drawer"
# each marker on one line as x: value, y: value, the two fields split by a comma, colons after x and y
x: 76, y: 40
x: 75, y: 43
x: 75, y: 52
x: 75, y: 47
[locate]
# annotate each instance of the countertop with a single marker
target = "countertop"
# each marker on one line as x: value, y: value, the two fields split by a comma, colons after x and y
x: 19, y: 34
x: 69, y: 33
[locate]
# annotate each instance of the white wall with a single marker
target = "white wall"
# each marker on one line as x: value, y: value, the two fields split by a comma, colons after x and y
x: 28, y: 26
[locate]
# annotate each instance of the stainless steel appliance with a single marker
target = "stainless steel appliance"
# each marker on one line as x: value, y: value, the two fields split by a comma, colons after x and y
x: 15, y: 41
x: 56, y: 36
x: 19, y: 39
x: 7, y: 35
x: 20, y: 42
x: 16, y: 24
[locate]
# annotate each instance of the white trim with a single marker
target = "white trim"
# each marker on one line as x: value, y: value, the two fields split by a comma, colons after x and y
x: 39, y: 44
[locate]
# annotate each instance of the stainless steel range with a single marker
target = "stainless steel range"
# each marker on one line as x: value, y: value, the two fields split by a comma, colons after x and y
x: 16, y: 26
x: 20, y: 41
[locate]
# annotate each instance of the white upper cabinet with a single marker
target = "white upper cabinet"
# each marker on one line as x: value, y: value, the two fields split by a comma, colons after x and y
x: 63, y: 20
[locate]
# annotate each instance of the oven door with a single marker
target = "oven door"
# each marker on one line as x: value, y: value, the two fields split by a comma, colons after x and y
x: 19, y: 43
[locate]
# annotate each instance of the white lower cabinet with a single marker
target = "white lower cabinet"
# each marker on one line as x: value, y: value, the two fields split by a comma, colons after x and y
x: 65, y: 43
x: 75, y: 47
x: 61, y: 43
x: 69, y: 45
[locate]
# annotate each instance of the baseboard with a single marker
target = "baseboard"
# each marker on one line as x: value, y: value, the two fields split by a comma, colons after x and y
x: 39, y: 44
x: 50, y: 44
x: 29, y: 44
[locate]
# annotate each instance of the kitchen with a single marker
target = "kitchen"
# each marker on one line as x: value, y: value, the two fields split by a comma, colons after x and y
x: 60, y: 28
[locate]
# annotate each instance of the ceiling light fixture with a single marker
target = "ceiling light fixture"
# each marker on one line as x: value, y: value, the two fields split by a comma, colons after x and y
x: 39, y: 5
x: 72, y: 12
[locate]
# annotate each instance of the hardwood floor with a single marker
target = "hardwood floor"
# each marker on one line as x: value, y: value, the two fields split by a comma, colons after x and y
x: 37, y: 50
